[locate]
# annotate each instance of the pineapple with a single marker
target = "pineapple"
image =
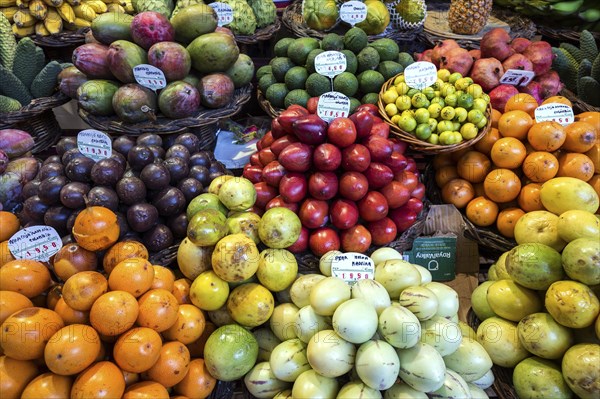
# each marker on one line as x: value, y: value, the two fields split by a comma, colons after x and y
x: 468, y: 17
x: 407, y: 14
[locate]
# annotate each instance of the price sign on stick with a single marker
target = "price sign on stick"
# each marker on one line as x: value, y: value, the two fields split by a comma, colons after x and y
x: 352, y: 266
x: 555, y: 112
x: 330, y: 63
x: 333, y: 105
x: 224, y: 13
x: 353, y: 12
x: 517, y: 77
x: 94, y: 144
x: 149, y: 76
x: 35, y: 243
x: 420, y: 75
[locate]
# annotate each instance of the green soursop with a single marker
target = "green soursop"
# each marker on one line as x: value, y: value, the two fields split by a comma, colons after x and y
x: 407, y: 14
x: 183, y: 4
x: 244, y: 21
x: 265, y: 12
x: 164, y: 7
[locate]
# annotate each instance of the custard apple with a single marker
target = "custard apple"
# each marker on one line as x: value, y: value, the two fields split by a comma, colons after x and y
x: 244, y: 21
x: 265, y: 12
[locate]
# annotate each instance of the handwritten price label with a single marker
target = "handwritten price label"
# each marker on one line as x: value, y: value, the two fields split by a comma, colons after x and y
x: 35, y: 243
x: 333, y: 105
x: 353, y: 12
x: 420, y: 75
x: 517, y: 77
x: 556, y: 112
x: 330, y: 63
x: 224, y: 13
x: 149, y: 76
x: 352, y: 266
x: 94, y: 144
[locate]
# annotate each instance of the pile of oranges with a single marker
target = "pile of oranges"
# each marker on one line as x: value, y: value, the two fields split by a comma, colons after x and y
x: 499, y: 179
x: 86, y: 326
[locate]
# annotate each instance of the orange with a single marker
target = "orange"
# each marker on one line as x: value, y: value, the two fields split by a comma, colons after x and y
x: 515, y: 124
x: 581, y: 137
x: 495, y: 117
x: 172, y: 365
x: 96, y: 228
x: 528, y: 148
x: 48, y: 386
x: 502, y: 185
x: 594, y: 154
x: 121, y: 251
x: 146, y: 390
x: 540, y: 166
x: 558, y: 99
x: 458, y: 192
x: 100, y: 380
x: 546, y: 136
x: 181, y: 290
x: 52, y: 296
x: 473, y: 166
x: 479, y: 190
x: 137, y: 349
x: 482, y: 211
x: 15, y: 375
x: 523, y: 102
x: 573, y: 164
x: 28, y: 277
x: 485, y: 144
x: 456, y: 155
x: 507, y: 219
x: 10, y: 302
x: 158, y: 310
x: 529, y: 198
x: 9, y: 225
x: 189, y: 325
x: 198, y: 382
x: 81, y: 290
x: 444, y: 174
x: 71, y: 259
x: 5, y: 255
x: 71, y: 349
x: 130, y: 378
x: 114, y: 313
x: 70, y: 315
x: 163, y: 278
x: 508, y: 152
x: 443, y: 159
x: 134, y: 275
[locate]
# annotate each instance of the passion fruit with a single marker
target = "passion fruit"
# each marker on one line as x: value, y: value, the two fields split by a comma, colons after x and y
x: 96, y: 228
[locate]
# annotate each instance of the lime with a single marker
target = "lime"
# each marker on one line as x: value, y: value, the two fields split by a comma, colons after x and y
x: 370, y: 98
x: 433, y: 124
x: 276, y: 95
x: 422, y: 115
x: 296, y: 96
x: 391, y: 109
x: 390, y: 95
x: 451, y: 100
x: 403, y: 102
x: 407, y: 123
x: 454, y: 77
x: 474, y: 116
x: 296, y: 77
x: 438, y: 100
x: 429, y: 92
x: 486, y: 97
x: 469, y: 131
x: 443, y: 74
x: 409, y: 113
x: 447, y: 89
x: 462, y: 83
x: 398, y: 80
x: 423, y: 131
x: 395, y: 119
x: 281, y: 47
x: 443, y: 126
x: 346, y: 83
x: 412, y: 92
x: 370, y: 81
x: 317, y: 84
x: 475, y: 90
x: 465, y: 100
x: 460, y: 114
x: 482, y: 123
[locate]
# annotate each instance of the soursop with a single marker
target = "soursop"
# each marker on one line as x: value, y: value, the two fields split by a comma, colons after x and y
x: 164, y: 7
x: 244, y: 21
x: 183, y: 4
x: 407, y: 14
x: 265, y: 12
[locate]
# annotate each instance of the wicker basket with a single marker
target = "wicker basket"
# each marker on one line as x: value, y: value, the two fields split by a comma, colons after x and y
x: 35, y: 107
x: 423, y: 146
x: 63, y: 39
x: 579, y: 105
x: 266, y: 105
x: 164, y: 125
x: 260, y: 35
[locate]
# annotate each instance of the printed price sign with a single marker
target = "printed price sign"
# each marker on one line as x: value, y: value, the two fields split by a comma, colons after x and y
x: 35, y: 242
x: 94, y: 144
x: 352, y: 266
x: 224, y: 13
x: 353, y: 12
x: 420, y: 75
x: 517, y: 77
x: 556, y: 112
x: 330, y: 63
x: 333, y: 105
x: 149, y: 76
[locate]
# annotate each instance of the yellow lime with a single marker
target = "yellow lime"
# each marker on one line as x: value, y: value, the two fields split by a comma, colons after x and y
x: 423, y: 131
x: 422, y: 115
x: 402, y: 88
x: 454, y: 77
x: 443, y: 74
x: 434, y: 110
x: 482, y: 123
x: 403, y: 102
x: 407, y: 123
x: 447, y: 89
x: 391, y: 109
x: 399, y: 79
x: 390, y: 96
x: 475, y: 90
x: 468, y: 131
x: 447, y: 113
x: 395, y: 119
x: 460, y: 114
x: 434, y: 139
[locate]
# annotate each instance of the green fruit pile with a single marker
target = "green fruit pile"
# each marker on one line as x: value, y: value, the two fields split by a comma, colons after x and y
x: 451, y: 110
x: 290, y: 78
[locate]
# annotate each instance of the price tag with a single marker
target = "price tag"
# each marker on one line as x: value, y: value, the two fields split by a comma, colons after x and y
x: 420, y: 75
x: 149, y: 76
x: 330, y: 63
x: 353, y: 12
x: 94, y: 144
x: 333, y: 105
x: 557, y: 112
x: 517, y: 77
x: 352, y: 266
x: 35, y: 242
x: 224, y: 13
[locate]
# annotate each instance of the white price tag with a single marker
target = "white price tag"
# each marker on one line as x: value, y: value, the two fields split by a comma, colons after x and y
x: 333, y: 105
x: 352, y: 266
x: 353, y: 12
x: 517, y: 77
x: 330, y: 63
x: 224, y: 13
x: 35, y: 243
x: 94, y: 144
x: 556, y: 112
x: 420, y: 75
x: 149, y: 76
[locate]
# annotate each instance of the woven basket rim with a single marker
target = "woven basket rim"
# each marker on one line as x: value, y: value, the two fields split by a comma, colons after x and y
x: 164, y: 125
x: 63, y: 39
x: 579, y: 105
x: 35, y: 107
x: 261, y: 34
x: 562, y: 34
x: 423, y: 146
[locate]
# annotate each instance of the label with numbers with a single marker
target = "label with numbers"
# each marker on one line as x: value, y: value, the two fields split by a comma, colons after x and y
x: 352, y: 266
x: 149, y: 76
x: 224, y: 13
x: 330, y: 63
x: 517, y: 77
x: 420, y: 75
x: 333, y: 105
x: 556, y: 112
x: 353, y: 12
x: 94, y: 144
x: 35, y: 242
